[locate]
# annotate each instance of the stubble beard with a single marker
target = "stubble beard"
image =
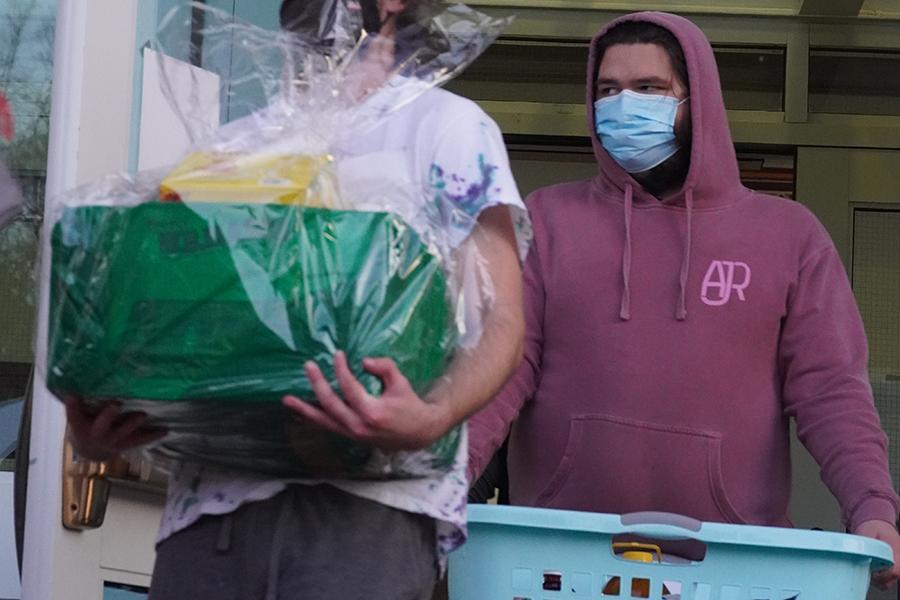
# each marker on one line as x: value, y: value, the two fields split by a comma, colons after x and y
x: 668, y: 176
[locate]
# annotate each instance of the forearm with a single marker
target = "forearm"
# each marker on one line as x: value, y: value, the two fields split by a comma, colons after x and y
x: 476, y: 375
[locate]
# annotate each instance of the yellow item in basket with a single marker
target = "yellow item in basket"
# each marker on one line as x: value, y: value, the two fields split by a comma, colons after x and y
x: 306, y: 180
x: 636, y: 552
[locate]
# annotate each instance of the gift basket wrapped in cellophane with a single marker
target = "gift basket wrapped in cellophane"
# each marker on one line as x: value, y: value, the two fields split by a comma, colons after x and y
x: 196, y: 293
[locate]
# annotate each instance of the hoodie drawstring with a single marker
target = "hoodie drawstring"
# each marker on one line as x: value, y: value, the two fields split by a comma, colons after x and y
x: 625, y: 309
x: 681, y: 311
x: 681, y: 308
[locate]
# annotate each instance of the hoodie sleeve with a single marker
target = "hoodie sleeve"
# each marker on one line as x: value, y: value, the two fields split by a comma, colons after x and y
x: 490, y: 426
x: 822, y: 357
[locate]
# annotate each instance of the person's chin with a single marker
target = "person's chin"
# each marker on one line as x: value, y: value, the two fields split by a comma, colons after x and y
x: 665, y: 177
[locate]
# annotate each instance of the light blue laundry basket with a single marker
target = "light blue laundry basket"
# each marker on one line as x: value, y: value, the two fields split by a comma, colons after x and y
x: 517, y: 553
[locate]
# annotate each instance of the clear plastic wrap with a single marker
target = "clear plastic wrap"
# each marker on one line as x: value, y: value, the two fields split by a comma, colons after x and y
x: 196, y: 293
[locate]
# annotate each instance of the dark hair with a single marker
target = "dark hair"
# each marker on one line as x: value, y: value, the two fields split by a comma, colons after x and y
x: 410, y: 24
x: 417, y: 40
x: 643, y: 32
x: 417, y: 11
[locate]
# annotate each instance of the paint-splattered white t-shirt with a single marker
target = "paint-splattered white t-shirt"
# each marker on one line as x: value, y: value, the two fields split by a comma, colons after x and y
x: 451, y: 157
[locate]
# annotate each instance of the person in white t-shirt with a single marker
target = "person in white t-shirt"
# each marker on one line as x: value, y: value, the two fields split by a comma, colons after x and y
x: 234, y: 536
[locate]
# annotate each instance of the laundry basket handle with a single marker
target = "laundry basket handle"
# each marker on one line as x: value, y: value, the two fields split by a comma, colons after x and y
x: 642, y: 519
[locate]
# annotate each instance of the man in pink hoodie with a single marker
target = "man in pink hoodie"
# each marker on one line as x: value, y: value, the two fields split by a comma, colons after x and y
x: 676, y: 320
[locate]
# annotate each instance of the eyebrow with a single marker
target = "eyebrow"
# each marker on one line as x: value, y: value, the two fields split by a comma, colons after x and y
x: 640, y: 81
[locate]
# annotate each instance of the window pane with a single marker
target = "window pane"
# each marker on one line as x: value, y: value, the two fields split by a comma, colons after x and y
x: 527, y: 71
x: 26, y: 68
x: 555, y: 72
x: 860, y: 83
x: 752, y: 78
x: 876, y: 283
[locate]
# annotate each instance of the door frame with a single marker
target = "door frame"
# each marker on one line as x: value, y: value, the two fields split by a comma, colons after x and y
x: 89, y: 136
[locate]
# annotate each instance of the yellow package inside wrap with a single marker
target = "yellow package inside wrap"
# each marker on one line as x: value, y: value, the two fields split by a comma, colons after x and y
x: 306, y: 180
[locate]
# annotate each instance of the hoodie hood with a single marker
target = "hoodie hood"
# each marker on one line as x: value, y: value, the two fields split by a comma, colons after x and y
x: 713, y: 175
x: 713, y: 178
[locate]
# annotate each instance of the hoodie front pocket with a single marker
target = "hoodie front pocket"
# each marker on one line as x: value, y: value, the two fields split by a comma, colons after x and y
x: 618, y: 465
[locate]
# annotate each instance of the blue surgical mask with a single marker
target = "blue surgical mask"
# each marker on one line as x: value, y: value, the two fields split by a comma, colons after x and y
x: 638, y: 130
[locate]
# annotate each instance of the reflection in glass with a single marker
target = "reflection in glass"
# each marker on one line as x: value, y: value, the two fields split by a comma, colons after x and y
x: 26, y: 69
x: 854, y: 83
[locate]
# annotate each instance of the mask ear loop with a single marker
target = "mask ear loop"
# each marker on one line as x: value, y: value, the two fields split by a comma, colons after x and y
x: 679, y: 102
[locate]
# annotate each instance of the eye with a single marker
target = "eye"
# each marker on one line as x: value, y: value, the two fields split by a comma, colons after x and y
x: 652, y: 89
x: 605, y: 91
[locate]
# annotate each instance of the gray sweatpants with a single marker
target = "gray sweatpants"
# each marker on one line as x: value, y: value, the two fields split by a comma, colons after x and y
x: 307, y: 543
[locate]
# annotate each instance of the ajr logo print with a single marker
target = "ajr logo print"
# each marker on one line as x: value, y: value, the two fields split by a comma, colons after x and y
x: 724, y: 279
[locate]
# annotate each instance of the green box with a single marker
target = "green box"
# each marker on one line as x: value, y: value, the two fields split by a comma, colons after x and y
x: 203, y: 314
